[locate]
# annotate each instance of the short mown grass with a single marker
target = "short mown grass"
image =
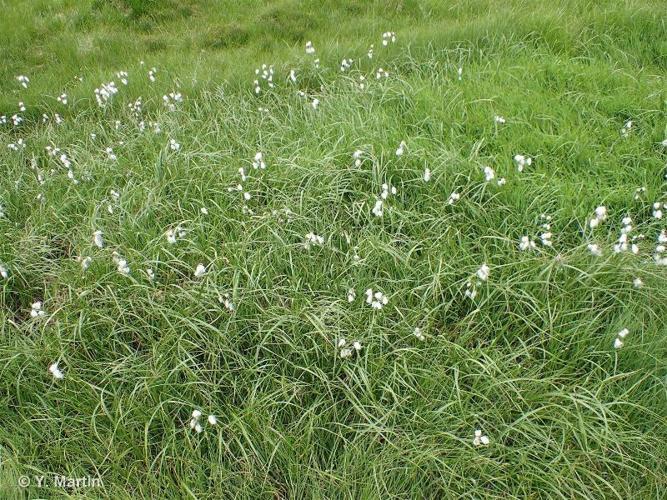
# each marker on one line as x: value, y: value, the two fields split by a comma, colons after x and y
x: 530, y: 361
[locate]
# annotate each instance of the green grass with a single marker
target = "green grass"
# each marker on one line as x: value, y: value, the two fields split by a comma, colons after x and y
x: 530, y: 361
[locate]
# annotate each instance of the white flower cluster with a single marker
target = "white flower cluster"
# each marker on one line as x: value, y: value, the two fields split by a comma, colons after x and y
x: 626, y: 129
x: 105, y: 92
x: 173, y: 235
x: 347, y: 352
x: 36, y: 310
x: 480, y: 439
x: 658, y: 209
x: 200, y: 270
x: 122, y: 76
x: 381, y: 73
x: 499, y: 120
x: 618, y: 343
x: 660, y: 249
x: 356, y: 156
x: 312, y: 239
x: 121, y: 264
x: 171, y: 99
x: 195, y: 423
x: 419, y: 334
x: 378, y: 208
x: 56, y: 372
x: 226, y: 301
x: 599, y: 216
x: 258, y: 162
x: 490, y: 174
x: 23, y: 80
x: 263, y: 74
x: 401, y: 149
x: 346, y: 64
x: 388, y: 37
x: 15, y: 146
x: 310, y: 49
x: 522, y: 162
x: 377, y: 300
x: 527, y: 243
x: 453, y: 198
x: 624, y: 243
x: 481, y: 275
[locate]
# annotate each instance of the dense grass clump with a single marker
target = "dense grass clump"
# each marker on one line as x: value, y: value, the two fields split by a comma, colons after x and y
x: 191, y: 244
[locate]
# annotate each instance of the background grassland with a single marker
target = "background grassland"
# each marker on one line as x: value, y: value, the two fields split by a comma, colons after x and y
x: 530, y: 361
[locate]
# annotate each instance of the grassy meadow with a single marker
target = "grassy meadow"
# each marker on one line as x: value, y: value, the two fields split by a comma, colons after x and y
x: 424, y: 259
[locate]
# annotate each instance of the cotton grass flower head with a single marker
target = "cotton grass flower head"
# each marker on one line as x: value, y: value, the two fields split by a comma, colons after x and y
x: 377, y: 300
x: 346, y: 64
x: 351, y: 295
x: 36, y: 310
x: 637, y: 282
x: 226, y: 301
x: 121, y: 265
x: 618, y: 343
x: 85, y: 262
x: 56, y: 372
x: 195, y: 425
x: 62, y: 99
x: 171, y: 100
x: 626, y: 129
x: 546, y: 235
x: 173, y: 145
x: 312, y: 239
x: 483, y: 272
x: 200, y: 270
x: 4, y: 272
x: 526, y: 244
x: 418, y: 333
x: 401, y: 149
x: 657, y: 211
x: 23, y: 81
x: 595, y: 249
x: 122, y: 76
x: 98, y: 239
x: 105, y: 92
x: 258, y: 161
x: 499, y: 120
x: 480, y: 439
x: 346, y: 351
x: 356, y: 156
x: 599, y: 216
x: 624, y: 243
x: 381, y: 73
x: 263, y: 77
x: 310, y: 49
x: 387, y: 190
x: 388, y: 37
x: 453, y: 198
x: 212, y: 420
x: 427, y: 174
x: 522, y: 162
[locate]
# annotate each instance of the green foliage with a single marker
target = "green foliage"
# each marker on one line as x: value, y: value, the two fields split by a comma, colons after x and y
x: 530, y: 361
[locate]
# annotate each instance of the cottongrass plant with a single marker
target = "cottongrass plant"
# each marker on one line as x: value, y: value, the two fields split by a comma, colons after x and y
x: 412, y: 350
